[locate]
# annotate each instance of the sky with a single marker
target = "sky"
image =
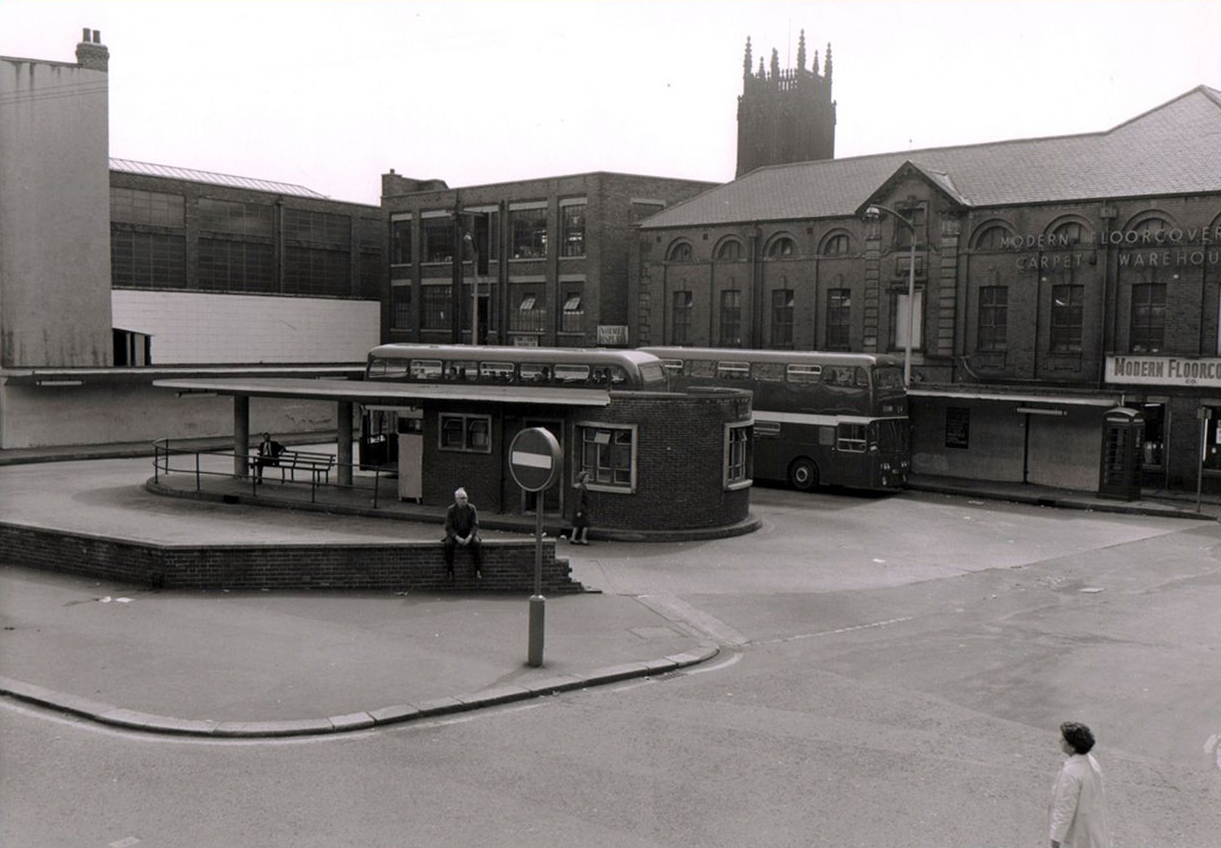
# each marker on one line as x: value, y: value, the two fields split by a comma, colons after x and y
x: 331, y: 94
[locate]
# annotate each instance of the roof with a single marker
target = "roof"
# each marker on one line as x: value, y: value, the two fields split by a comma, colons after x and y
x: 191, y: 175
x: 1172, y: 149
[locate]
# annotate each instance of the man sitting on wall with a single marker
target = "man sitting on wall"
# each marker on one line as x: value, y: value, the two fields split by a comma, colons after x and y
x: 462, y: 528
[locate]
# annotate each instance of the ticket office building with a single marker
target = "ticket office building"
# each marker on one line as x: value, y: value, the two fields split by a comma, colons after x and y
x: 1054, y: 279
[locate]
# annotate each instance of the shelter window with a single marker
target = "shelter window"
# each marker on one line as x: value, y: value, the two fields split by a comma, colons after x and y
x: 466, y: 433
x: 609, y: 455
x: 737, y: 456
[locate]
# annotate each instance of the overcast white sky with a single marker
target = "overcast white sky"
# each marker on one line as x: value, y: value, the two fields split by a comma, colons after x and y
x: 332, y: 94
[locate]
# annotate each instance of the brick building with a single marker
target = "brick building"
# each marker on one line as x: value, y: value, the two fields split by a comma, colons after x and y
x: 551, y: 256
x: 1054, y: 278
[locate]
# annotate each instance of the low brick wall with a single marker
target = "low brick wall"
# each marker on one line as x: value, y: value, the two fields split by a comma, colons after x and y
x: 508, y: 564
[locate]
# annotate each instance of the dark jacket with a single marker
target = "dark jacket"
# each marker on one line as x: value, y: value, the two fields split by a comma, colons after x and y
x: 461, y: 521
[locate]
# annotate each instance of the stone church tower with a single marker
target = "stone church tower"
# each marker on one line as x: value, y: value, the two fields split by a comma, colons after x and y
x: 785, y: 116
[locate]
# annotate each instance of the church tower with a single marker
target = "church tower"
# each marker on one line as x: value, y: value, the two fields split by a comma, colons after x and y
x: 785, y: 116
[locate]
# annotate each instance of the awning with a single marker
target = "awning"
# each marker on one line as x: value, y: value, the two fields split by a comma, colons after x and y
x: 377, y: 392
x: 1005, y: 397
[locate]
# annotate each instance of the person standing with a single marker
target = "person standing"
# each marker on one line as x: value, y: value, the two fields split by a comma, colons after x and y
x: 1078, y: 805
x: 462, y: 530
x: 269, y: 454
x: 580, y: 512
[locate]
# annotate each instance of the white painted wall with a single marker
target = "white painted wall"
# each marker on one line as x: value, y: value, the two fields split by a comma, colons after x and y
x: 195, y: 328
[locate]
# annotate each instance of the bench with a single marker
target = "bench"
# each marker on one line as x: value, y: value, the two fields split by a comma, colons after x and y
x: 318, y: 465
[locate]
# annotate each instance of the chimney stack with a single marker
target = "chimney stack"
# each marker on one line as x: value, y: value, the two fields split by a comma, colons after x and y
x: 91, y: 53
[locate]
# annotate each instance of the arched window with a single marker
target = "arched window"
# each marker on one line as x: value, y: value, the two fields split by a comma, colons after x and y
x: 1152, y: 225
x: 730, y: 250
x: 839, y: 244
x: 680, y: 252
x: 1068, y: 234
x: 992, y: 238
x: 782, y: 248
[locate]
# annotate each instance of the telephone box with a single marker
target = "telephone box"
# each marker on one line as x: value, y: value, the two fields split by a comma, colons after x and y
x: 1122, y: 433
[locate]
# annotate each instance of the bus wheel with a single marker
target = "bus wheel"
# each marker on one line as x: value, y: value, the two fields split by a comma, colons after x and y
x: 803, y: 474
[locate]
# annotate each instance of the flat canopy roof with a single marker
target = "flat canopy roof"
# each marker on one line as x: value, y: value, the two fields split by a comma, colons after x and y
x: 1029, y: 397
x: 385, y: 393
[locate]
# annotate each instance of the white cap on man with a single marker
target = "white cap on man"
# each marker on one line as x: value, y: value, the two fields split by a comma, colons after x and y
x: 459, y: 492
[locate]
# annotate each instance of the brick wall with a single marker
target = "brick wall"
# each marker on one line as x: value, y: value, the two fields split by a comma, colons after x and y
x: 508, y: 565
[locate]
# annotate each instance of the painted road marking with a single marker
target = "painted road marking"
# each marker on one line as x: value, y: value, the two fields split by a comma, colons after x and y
x: 885, y: 623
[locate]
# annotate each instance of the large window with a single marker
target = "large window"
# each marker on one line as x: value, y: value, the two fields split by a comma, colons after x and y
x: 572, y: 237
x: 572, y: 313
x: 527, y: 314
x: 608, y: 453
x: 907, y: 316
x: 466, y: 433
x: 680, y: 318
x: 437, y: 240
x: 236, y: 217
x: 839, y: 244
x: 147, y: 260
x: 839, y: 319
x: 1148, y: 333
x: 318, y: 227
x: 435, y: 308
x: 1066, y: 318
x: 730, y: 250
x: 311, y: 270
x: 731, y: 318
x: 236, y: 266
x: 400, y: 307
x: 132, y: 206
x: 993, y: 318
x: 680, y: 252
x: 737, y: 456
x: 782, y: 248
x: 903, y: 233
x: 782, y: 318
x: 528, y: 231
x: 400, y: 241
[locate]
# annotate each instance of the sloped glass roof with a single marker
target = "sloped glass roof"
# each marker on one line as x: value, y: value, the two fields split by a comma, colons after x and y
x: 190, y: 174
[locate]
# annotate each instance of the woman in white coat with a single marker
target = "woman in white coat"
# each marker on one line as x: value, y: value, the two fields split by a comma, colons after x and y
x: 1078, y: 805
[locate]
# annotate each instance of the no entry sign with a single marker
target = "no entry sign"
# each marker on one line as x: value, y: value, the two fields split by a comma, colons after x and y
x: 534, y: 459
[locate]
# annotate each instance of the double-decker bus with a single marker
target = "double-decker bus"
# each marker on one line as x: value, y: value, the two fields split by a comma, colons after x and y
x: 837, y: 419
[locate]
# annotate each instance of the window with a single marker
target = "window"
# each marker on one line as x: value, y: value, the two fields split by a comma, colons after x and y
x: 371, y: 277
x: 528, y: 316
x: 680, y: 252
x: 1154, y: 415
x: 731, y: 318
x: 237, y: 218
x: 312, y: 270
x: 465, y: 433
x: 572, y: 238
x: 993, y: 317
x: 837, y: 245
x: 425, y: 369
x: 729, y: 251
x: 1066, y: 317
x: 323, y: 228
x: 737, y: 455
x: 131, y: 206
x: 528, y: 231
x: 907, y: 317
x: 782, y: 248
x: 768, y: 372
x: 400, y: 241
x: 1148, y: 333
x: 437, y: 240
x: 850, y: 438
x: 400, y: 307
x: 797, y: 373
x: 434, y: 307
x: 992, y: 238
x: 570, y: 373
x: 680, y: 318
x: 845, y: 375
x: 147, y: 260
x: 608, y: 453
x: 839, y: 318
x: 503, y: 371
x: 1068, y: 234
x: 733, y: 370
x: 782, y: 318
x: 236, y: 266
x: 903, y: 233
x: 572, y: 313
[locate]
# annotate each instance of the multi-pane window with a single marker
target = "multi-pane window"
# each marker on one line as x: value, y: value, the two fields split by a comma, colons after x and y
x: 434, y: 307
x: 1066, y: 318
x: 993, y: 238
x: 680, y: 252
x: 311, y: 270
x: 782, y: 318
x: 528, y: 231
x: 837, y: 245
x: 608, y: 453
x: 1148, y: 332
x: 839, y: 318
x: 782, y: 248
x: 400, y: 307
x: 1068, y: 234
x: 465, y: 433
x: 236, y: 266
x: 132, y: 206
x: 908, y: 318
x: 147, y: 260
x: 236, y: 217
x: 903, y: 233
x: 370, y: 273
x: 729, y: 251
x: 680, y: 318
x: 437, y: 240
x: 317, y: 227
x: 400, y: 241
x: 993, y: 318
x: 572, y: 236
x: 731, y: 318
x: 851, y: 438
x: 571, y: 313
x: 527, y: 314
x: 737, y: 455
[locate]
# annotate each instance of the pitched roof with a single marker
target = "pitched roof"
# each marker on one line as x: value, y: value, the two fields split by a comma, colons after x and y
x: 1172, y: 149
x: 189, y: 174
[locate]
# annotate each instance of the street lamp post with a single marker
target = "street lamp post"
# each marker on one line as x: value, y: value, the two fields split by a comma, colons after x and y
x: 874, y: 213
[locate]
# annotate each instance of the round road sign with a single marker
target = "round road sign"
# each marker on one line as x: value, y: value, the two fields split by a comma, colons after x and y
x: 534, y: 459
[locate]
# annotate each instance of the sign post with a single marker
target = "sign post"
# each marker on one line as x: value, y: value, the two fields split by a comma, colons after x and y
x: 534, y: 463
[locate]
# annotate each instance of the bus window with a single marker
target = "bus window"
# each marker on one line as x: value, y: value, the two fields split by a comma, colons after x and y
x: 461, y: 369
x: 772, y: 372
x: 851, y: 438
x: 567, y: 373
x: 675, y: 365
x: 652, y: 375
x: 617, y: 375
x: 387, y: 369
x: 845, y: 375
x: 534, y: 372
x: 888, y: 377
x: 496, y: 370
x: 733, y: 370
x: 826, y: 436
x: 425, y: 369
x: 701, y: 367
x: 767, y: 429
x: 804, y: 373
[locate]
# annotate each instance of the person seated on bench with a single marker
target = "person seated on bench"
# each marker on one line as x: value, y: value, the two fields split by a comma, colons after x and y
x: 462, y: 528
x: 269, y: 454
